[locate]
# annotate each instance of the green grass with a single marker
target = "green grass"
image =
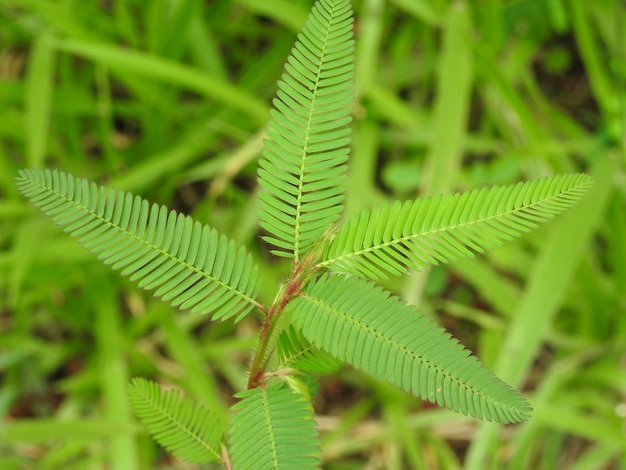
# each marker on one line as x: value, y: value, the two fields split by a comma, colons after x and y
x: 168, y: 99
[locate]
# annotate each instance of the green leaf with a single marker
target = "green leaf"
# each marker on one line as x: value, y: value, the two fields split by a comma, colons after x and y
x: 308, y: 135
x: 296, y: 352
x: 305, y: 384
x: 365, y: 326
x: 273, y: 428
x: 39, y: 93
x: 190, y: 265
x: 392, y: 238
x: 182, y: 426
x: 126, y: 60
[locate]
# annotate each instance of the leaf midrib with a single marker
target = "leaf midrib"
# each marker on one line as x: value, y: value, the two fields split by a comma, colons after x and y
x: 410, y: 238
x: 300, y: 195
x: 128, y: 234
x: 407, y: 352
x: 174, y: 419
x: 270, y: 429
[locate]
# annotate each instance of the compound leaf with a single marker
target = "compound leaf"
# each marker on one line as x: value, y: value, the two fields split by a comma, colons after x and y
x: 392, y: 238
x: 187, y: 264
x: 304, y: 158
x: 296, y: 352
x: 273, y: 428
x: 182, y: 426
x: 365, y: 326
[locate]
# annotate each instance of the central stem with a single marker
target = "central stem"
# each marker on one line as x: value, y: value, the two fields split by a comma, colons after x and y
x: 297, y: 280
x: 287, y: 292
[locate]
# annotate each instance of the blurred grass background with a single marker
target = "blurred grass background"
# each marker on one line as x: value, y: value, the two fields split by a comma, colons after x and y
x: 168, y: 99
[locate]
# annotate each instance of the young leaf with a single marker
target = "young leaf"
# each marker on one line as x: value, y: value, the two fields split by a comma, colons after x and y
x: 296, y: 352
x: 306, y: 385
x: 390, y: 239
x: 363, y: 325
x: 182, y: 426
x: 189, y: 265
x: 273, y: 428
x: 303, y: 164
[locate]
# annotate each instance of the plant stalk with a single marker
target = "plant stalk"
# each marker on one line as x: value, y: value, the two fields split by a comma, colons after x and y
x: 299, y: 277
x: 288, y: 292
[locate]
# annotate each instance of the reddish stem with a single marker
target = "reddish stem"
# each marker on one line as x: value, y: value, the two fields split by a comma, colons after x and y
x: 290, y: 290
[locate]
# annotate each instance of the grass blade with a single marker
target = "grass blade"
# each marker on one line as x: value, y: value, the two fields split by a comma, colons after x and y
x: 171, y: 72
x: 39, y: 98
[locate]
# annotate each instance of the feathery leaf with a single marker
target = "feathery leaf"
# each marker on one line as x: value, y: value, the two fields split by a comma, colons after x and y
x: 392, y: 238
x: 296, y: 352
x: 304, y: 157
x: 273, y: 428
x: 182, y: 426
x: 190, y: 265
x: 365, y: 326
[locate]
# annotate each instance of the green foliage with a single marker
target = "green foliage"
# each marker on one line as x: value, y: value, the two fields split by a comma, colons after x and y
x: 390, y: 239
x: 302, y: 174
x: 302, y: 171
x: 273, y: 428
x: 189, y: 265
x: 364, y: 326
x: 294, y: 351
x: 182, y: 426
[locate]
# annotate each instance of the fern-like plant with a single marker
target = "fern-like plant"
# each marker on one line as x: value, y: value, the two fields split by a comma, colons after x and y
x: 329, y: 307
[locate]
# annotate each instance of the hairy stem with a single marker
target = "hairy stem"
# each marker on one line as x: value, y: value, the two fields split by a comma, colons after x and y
x: 226, y: 458
x: 287, y: 292
x: 299, y: 277
x: 291, y: 289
